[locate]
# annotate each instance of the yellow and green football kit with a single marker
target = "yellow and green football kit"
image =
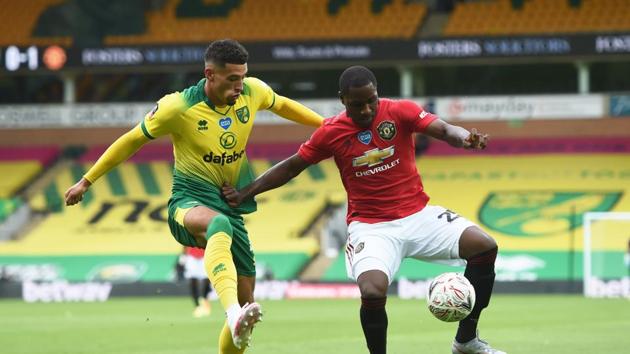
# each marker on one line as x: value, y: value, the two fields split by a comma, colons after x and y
x: 209, y: 149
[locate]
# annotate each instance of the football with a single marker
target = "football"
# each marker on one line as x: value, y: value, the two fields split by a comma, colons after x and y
x: 451, y: 297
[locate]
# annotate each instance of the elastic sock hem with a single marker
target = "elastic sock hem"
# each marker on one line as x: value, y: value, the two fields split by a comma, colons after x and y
x: 486, y: 257
x: 373, y: 303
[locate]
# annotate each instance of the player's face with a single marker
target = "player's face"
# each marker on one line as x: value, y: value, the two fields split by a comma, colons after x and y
x: 225, y: 83
x: 361, y: 104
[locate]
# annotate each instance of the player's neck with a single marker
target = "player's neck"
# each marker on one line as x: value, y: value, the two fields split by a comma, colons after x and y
x: 212, y: 98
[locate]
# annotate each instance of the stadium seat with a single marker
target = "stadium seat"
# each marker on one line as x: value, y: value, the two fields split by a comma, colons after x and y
x: 294, y: 20
x: 124, y: 213
x: 18, y: 19
x: 18, y: 166
x: 498, y: 17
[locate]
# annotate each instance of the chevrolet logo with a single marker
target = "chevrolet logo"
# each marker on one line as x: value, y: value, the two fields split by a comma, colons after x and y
x: 373, y: 157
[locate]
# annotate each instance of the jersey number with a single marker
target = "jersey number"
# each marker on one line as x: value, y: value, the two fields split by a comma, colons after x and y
x: 450, y: 215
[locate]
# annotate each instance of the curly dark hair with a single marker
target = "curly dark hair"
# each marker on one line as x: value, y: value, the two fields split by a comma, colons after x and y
x: 355, y: 76
x: 226, y: 51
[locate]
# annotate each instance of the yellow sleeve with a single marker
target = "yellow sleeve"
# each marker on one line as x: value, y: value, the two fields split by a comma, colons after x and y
x: 119, y: 151
x: 262, y: 95
x: 162, y: 120
x: 297, y: 112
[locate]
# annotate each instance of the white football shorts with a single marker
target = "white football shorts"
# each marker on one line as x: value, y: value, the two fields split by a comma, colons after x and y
x: 431, y: 234
x: 194, y: 268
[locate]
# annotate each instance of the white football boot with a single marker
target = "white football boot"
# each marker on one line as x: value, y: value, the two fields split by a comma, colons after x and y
x: 242, y: 328
x: 474, y: 346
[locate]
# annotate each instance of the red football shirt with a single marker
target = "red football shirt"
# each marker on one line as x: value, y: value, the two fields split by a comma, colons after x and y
x: 195, y: 252
x: 378, y: 164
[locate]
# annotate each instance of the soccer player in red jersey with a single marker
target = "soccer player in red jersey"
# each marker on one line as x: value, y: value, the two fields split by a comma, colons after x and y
x: 372, y: 143
x: 192, y: 262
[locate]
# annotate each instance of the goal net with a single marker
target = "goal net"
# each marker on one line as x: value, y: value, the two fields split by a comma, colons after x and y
x: 605, y: 257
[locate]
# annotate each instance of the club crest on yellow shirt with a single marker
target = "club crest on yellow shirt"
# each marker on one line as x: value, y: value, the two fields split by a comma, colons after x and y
x: 243, y: 114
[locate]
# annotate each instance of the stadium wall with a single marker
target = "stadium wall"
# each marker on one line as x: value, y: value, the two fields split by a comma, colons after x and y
x: 61, y: 291
x: 291, y: 133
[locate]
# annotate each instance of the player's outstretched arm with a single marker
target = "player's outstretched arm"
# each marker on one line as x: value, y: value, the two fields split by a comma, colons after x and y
x: 297, y: 112
x: 273, y: 178
x: 457, y: 136
x: 119, y: 151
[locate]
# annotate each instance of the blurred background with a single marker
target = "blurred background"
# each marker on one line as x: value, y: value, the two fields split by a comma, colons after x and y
x: 549, y: 80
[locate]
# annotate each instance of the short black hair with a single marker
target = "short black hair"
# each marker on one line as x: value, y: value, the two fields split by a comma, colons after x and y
x: 355, y: 76
x: 226, y: 51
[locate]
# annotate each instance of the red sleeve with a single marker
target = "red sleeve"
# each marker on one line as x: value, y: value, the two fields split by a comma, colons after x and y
x: 413, y: 115
x: 316, y: 149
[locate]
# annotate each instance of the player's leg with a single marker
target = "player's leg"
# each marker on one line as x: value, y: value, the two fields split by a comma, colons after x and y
x: 246, y: 296
x: 193, y: 283
x: 213, y: 231
x: 440, y: 235
x: 204, y: 227
x: 242, y: 325
x: 480, y: 252
x: 372, y: 257
x: 207, y: 288
x: 194, y: 290
x: 205, y: 294
x: 373, y: 285
x: 195, y: 272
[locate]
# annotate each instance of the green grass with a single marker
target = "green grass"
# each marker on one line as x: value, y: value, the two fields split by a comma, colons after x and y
x: 517, y: 324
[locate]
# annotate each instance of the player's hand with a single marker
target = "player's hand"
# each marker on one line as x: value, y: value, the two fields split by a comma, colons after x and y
x: 232, y: 196
x: 75, y: 193
x: 476, y: 140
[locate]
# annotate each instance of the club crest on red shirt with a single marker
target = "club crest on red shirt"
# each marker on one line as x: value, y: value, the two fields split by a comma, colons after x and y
x: 386, y: 130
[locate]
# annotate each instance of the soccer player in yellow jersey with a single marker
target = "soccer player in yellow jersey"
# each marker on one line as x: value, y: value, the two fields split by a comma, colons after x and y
x: 209, y: 125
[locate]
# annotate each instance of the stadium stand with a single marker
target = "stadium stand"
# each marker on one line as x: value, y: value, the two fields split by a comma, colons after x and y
x: 501, y: 17
x: 18, y: 166
x: 124, y: 213
x: 18, y: 20
x: 46, y: 22
x: 293, y: 20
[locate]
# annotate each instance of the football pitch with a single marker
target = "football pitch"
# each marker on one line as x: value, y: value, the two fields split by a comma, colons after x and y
x: 514, y: 323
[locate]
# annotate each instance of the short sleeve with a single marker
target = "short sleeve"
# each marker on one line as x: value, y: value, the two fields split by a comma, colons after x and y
x: 260, y: 92
x: 162, y: 119
x: 413, y: 115
x: 316, y: 149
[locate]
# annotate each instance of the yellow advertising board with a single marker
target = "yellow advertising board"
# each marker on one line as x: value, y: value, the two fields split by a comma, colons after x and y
x: 533, y: 202
x: 527, y: 202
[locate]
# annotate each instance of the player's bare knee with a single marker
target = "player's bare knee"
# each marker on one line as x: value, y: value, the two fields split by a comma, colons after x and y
x: 475, y: 241
x: 373, y: 284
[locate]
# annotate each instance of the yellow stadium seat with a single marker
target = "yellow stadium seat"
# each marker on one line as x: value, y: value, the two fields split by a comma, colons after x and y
x: 537, y: 16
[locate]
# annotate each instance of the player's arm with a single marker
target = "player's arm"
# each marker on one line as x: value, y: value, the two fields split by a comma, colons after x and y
x: 273, y: 178
x: 457, y: 136
x: 119, y: 151
x: 297, y: 112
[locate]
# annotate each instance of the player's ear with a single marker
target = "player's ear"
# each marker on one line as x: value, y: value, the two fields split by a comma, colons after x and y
x: 208, y: 72
x: 341, y: 97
